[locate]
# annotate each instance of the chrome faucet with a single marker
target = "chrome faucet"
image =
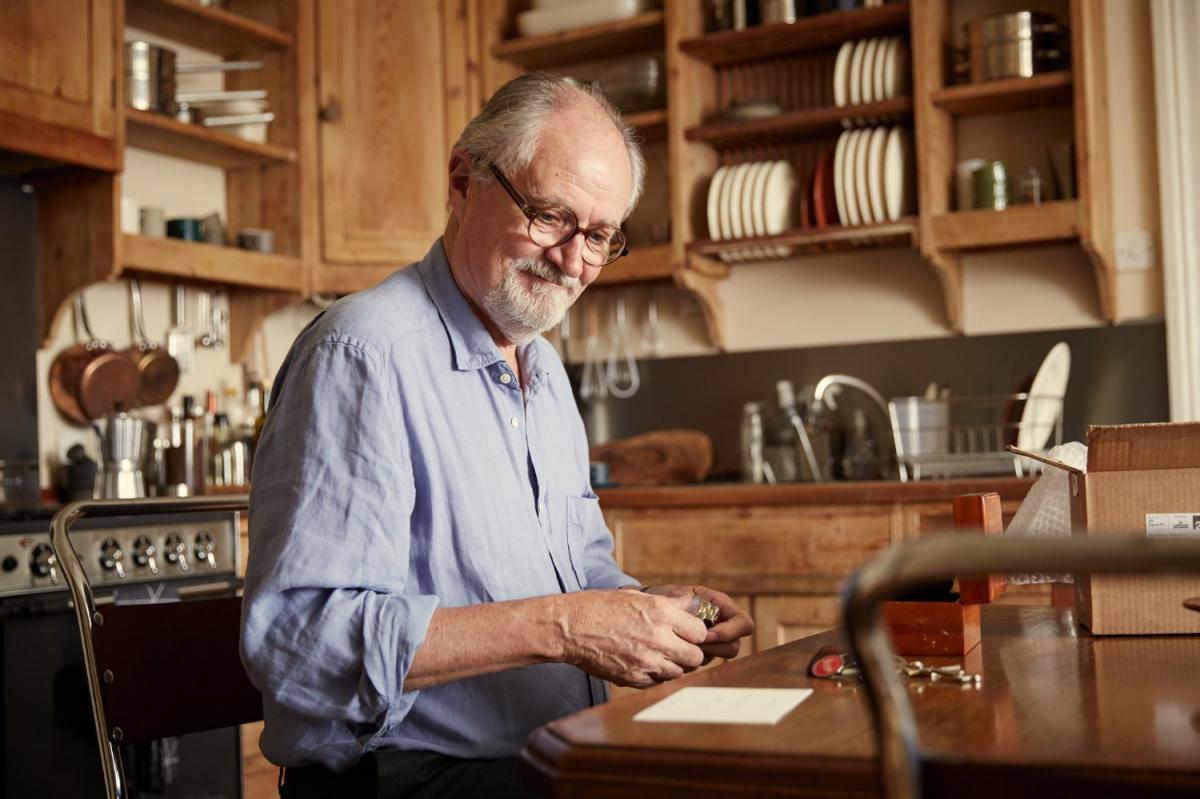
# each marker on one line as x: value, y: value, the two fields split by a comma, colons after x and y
x: 825, y: 396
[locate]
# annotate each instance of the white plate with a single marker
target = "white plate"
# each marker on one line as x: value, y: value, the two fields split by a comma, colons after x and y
x: 556, y: 17
x: 715, y: 232
x: 875, y: 173
x: 841, y: 74
x: 897, y: 174
x: 861, y: 177
x: 839, y: 186
x: 779, y: 191
x: 737, y: 180
x: 854, y: 77
x: 867, y: 76
x: 752, y: 208
x: 896, y: 69
x: 1045, y: 399
x: 879, y: 74
x: 848, y: 181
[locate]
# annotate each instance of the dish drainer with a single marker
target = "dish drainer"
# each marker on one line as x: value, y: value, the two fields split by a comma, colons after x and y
x: 966, y: 436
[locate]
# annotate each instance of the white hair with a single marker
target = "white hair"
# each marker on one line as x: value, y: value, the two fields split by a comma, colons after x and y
x: 506, y: 131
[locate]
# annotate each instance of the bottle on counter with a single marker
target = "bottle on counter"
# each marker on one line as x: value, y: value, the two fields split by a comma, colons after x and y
x: 791, y: 452
x: 754, y: 466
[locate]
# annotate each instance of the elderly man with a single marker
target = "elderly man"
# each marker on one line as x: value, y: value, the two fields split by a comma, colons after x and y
x: 422, y: 527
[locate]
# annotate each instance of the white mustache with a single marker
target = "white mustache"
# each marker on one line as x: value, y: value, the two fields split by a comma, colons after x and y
x: 546, y: 271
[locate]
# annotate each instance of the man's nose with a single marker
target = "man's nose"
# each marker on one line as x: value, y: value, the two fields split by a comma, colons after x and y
x: 568, y: 256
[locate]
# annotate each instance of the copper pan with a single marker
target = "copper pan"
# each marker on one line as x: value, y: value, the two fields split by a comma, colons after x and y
x: 159, y: 371
x: 90, y: 378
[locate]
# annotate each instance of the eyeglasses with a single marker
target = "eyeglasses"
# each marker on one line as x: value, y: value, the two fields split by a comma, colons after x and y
x: 554, y: 227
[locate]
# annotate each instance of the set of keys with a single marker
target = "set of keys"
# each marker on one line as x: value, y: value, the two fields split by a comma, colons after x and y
x: 830, y: 663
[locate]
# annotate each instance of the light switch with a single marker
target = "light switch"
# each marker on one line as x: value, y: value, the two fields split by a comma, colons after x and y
x: 1135, y: 250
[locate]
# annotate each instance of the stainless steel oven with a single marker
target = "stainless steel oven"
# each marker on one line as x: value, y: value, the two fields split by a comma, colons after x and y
x: 47, y: 742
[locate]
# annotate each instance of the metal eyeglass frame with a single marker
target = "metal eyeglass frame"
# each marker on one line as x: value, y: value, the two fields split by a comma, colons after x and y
x: 530, y: 212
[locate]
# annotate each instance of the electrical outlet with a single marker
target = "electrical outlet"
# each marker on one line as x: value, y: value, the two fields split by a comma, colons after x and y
x: 1135, y: 250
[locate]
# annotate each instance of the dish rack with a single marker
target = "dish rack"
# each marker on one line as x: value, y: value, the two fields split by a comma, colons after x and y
x: 967, y: 436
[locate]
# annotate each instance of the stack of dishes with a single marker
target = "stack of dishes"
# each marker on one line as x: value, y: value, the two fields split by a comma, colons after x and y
x: 871, y: 71
x: 873, y: 175
x: 752, y: 199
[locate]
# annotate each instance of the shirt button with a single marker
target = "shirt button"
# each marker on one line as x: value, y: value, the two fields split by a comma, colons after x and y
x: 505, y: 378
x: 515, y: 422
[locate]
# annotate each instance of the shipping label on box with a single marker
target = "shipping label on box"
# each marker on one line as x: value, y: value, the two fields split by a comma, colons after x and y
x: 1172, y: 525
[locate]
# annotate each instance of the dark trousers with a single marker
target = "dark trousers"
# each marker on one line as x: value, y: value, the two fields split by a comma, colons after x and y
x: 409, y: 775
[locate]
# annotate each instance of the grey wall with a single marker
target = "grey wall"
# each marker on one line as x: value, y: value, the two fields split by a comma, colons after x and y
x: 1118, y: 375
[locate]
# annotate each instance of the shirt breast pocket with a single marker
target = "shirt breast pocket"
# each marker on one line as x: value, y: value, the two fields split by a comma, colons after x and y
x: 583, y: 515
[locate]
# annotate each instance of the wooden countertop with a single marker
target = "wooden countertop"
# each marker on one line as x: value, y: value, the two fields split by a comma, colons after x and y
x: 879, y: 492
x: 1059, y: 713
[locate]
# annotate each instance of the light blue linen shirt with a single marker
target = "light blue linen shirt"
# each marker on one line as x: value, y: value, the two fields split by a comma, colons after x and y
x: 401, y: 470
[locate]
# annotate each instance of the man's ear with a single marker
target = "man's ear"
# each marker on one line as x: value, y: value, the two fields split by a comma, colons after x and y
x: 460, y: 179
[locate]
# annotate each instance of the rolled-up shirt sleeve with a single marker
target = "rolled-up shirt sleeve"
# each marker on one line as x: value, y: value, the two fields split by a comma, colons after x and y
x: 601, y: 569
x: 330, y: 626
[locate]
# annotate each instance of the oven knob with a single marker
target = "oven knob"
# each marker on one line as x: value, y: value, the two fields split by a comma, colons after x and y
x: 44, y: 562
x: 10, y: 563
x: 110, y: 557
x: 204, y: 548
x: 176, y: 551
x: 144, y: 552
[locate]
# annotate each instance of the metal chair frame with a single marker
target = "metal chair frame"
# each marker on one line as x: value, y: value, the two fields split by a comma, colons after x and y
x: 89, y: 618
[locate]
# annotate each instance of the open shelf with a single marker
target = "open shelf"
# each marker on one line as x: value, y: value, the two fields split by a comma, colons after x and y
x: 651, y: 124
x: 645, y: 262
x: 210, y: 262
x: 840, y: 238
x: 813, y: 122
x: 1008, y: 94
x: 624, y: 36
x: 169, y: 136
x: 1016, y: 225
x: 808, y: 33
x: 213, y: 30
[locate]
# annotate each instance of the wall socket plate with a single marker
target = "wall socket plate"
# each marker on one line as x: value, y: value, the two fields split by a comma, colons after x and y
x: 1135, y: 250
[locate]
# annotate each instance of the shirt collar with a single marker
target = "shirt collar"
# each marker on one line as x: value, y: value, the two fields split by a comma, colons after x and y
x: 470, y: 342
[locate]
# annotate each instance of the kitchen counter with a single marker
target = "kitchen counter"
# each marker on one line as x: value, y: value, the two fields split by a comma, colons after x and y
x: 879, y: 492
x: 1059, y: 713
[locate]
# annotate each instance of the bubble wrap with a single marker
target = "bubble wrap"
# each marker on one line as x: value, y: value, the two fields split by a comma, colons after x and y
x: 1046, y: 510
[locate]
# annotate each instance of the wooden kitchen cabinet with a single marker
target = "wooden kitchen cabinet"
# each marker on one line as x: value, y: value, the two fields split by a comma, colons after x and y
x: 393, y: 96
x: 781, y: 618
x: 59, y: 88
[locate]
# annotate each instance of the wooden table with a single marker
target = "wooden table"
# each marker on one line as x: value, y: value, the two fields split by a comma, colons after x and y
x: 1059, y: 713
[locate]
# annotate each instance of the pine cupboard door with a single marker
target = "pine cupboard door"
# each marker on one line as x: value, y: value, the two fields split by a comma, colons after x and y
x: 780, y: 618
x: 60, y: 87
x: 392, y: 97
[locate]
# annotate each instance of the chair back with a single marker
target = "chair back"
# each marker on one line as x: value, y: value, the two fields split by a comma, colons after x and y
x: 160, y: 669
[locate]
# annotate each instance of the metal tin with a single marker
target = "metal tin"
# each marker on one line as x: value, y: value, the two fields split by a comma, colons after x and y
x: 1018, y: 44
x: 780, y: 10
x: 149, y: 77
x: 991, y: 186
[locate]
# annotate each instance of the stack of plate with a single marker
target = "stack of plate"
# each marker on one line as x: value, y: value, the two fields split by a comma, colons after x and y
x: 871, y: 71
x: 752, y: 199
x: 873, y: 175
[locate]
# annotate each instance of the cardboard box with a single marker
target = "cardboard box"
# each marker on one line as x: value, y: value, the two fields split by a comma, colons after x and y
x: 1141, y: 480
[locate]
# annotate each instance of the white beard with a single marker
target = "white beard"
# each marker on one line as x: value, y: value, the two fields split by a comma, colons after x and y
x: 522, y: 312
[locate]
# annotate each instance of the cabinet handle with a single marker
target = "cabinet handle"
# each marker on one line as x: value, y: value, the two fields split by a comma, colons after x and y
x: 330, y: 112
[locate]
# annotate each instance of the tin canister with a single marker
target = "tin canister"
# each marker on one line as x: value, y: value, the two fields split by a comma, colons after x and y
x: 990, y: 183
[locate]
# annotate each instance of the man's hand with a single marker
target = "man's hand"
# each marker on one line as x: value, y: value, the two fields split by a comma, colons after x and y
x: 631, y: 638
x: 724, y: 638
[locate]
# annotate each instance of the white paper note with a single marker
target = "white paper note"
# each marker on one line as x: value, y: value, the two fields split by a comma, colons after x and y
x: 726, y: 705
